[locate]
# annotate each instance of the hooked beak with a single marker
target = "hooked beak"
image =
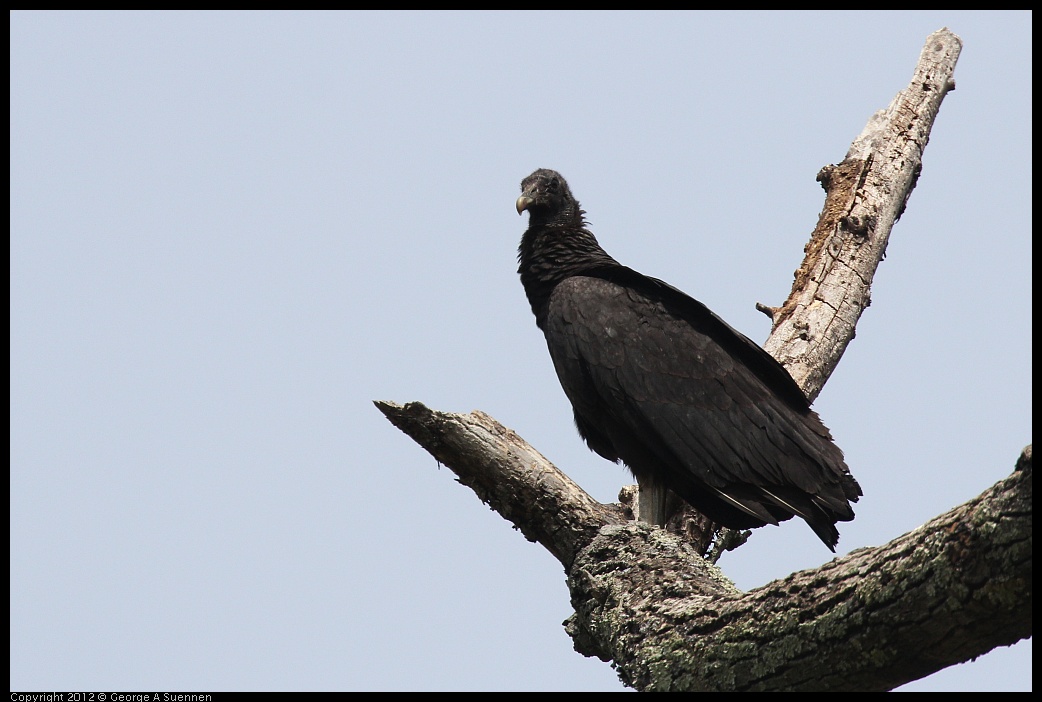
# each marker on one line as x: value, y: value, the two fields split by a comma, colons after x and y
x: 522, y: 203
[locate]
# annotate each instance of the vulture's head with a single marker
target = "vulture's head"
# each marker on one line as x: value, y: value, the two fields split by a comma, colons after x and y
x: 546, y: 197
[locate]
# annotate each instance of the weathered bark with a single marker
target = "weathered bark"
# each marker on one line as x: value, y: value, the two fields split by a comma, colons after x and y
x: 509, y: 475
x: 949, y: 591
x: 646, y: 600
x: 867, y: 193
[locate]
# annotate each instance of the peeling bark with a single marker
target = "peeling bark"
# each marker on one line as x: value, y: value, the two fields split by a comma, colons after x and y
x: 867, y: 193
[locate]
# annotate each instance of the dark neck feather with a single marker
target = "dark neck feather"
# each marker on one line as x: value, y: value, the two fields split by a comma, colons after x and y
x: 552, y: 252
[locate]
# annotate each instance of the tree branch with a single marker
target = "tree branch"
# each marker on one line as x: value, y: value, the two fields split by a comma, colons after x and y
x: 645, y: 599
x: 508, y: 475
x: 867, y: 193
x: 946, y: 592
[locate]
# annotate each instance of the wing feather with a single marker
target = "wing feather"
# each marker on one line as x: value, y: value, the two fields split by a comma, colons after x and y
x: 654, y: 388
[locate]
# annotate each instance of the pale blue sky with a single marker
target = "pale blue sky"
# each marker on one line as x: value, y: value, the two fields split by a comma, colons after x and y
x: 230, y: 232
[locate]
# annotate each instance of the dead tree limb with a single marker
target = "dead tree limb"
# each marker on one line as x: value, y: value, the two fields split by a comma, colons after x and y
x: 509, y: 475
x: 644, y: 599
x: 877, y: 618
x: 867, y: 193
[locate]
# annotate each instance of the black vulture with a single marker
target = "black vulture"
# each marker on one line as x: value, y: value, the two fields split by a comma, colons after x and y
x: 659, y: 382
